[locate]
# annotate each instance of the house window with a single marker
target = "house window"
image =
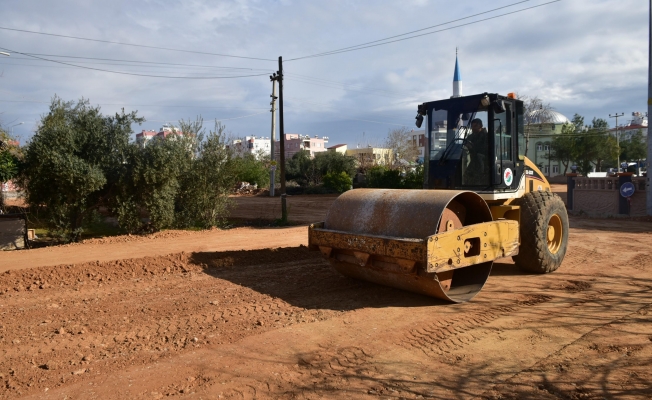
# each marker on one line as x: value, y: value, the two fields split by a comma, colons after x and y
x: 539, y: 147
x: 555, y: 169
x: 546, y: 147
x: 546, y: 170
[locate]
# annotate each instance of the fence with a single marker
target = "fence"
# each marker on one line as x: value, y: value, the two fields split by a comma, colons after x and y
x: 601, y: 196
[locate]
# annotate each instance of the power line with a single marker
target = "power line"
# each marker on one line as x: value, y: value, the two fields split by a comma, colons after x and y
x: 384, y: 42
x: 132, y: 44
x: 132, y: 74
x: 344, y: 118
x: 147, y: 68
x: 135, y: 61
x: 425, y: 29
x: 217, y: 119
x: 370, y: 91
x: 341, y: 85
x: 142, y: 105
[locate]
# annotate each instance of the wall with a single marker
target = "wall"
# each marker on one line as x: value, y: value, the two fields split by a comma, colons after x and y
x: 12, y: 232
x: 601, y: 197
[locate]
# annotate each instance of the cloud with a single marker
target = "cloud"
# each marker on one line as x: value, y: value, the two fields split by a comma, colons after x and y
x: 584, y: 56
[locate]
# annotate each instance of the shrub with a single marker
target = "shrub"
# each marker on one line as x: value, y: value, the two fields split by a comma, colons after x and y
x: 72, y: 164
x: 382, y: 177
x: 338, y: 182
x: 248, y: 168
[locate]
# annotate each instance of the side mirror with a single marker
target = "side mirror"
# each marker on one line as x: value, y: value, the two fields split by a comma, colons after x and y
x: 419, y: 121
x: 421, y: 111
x: 498, y: 106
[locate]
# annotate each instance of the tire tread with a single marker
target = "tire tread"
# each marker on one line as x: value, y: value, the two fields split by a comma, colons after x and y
x: 534, y: 255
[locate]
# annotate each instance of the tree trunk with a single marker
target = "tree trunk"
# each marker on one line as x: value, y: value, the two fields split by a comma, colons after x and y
x: 2, y: 199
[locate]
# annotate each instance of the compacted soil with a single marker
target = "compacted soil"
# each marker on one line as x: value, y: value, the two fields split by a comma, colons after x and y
x: 251, y: 313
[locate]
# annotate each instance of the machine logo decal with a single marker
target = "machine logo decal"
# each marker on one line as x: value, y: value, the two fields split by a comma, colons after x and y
x: 508, y: 177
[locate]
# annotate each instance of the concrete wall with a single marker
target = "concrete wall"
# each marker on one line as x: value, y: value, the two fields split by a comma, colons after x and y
x: 12, y: 233
x: 601, y: 197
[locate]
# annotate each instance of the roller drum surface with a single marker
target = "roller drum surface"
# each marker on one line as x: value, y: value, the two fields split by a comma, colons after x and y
x: 413, y: 214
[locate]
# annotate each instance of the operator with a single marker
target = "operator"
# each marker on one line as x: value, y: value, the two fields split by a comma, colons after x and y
x: 478, y: 146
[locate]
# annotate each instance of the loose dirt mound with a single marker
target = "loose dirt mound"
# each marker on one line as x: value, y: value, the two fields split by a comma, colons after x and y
x: 281, y: 324
x: 62, y: 323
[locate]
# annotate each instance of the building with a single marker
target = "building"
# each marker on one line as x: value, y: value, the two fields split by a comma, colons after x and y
x: 338, y: 148
x: 369, y: 156
x: 418, y: 140
x: 295, y: 143
x: 258, y: 146
x: 166, y: 130
x: 540, y: 128
x: 638, y: 122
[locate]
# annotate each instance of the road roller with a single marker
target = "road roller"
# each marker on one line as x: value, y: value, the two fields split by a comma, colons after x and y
x: 482, y: 200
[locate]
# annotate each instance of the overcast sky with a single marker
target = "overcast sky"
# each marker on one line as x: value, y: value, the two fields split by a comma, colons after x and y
x: 582, y: 56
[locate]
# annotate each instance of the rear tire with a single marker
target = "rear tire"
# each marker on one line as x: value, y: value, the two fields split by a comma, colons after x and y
x: 544, y: 232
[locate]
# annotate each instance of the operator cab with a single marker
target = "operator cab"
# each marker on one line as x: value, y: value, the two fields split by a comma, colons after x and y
x: 474, y: 143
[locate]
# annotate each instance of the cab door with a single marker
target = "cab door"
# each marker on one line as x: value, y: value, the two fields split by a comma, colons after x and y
x: 504, y: 145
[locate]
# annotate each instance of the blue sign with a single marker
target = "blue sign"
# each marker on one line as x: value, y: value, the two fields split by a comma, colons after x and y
x: 627, y: 189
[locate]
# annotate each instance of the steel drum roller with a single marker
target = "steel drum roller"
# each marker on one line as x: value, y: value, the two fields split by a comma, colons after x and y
x: 413, y: 214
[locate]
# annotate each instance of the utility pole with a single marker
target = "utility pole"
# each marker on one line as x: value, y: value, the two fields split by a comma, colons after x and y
x: 648, y: 187
x: 284, y: 210
x: 272, y: 138
x: 616, y: 115
x: 282, y: 129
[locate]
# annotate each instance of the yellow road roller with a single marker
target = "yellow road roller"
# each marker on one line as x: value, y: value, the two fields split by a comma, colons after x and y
x: 482, y: 200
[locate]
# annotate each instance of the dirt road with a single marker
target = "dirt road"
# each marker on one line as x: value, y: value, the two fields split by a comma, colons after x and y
x: 281, y: 323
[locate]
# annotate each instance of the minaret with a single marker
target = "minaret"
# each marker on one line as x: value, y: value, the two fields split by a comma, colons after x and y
x: 457, y: 79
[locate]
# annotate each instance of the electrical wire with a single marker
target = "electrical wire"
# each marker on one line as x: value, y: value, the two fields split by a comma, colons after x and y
x: 153, y: 63
x: 430, y: 27
x: 141, y: 105
x: 130, y: 67
x: 384, y: 42
x: 344, y: 118
x: 132, y: 44
x: 343, y: 86
x: 217, y: 119
x: 133, y: 74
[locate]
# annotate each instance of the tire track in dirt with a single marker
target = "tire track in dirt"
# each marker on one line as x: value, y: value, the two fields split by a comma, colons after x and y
x: 445, y: 336
x: 610, y: 361
x: 61, y: 324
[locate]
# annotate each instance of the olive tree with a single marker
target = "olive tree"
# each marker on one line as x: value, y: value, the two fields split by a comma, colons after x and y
x: 73, y: 163
x: 181, y: 180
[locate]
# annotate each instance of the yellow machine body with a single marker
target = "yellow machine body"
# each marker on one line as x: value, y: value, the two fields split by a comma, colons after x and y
x: 439, y: 243
x: 484, y: 201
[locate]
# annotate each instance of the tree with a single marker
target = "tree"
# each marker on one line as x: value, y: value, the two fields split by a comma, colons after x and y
x: 338, y: 182
x: 182, y: 180
x: 302, y: 169
x: 9, y: 158
x: 634, y: 148
x: 72, y: 164
x: 334, y: 163
x: 383, y: 177
x: 403, y: 145
x: 563, y: 146
x: 252, y: 169
x: 204, y: 191
x: 536, y: 113
x: 594, y: 145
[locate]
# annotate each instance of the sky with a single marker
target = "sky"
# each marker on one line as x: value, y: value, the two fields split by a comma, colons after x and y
x: 180, y: 59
